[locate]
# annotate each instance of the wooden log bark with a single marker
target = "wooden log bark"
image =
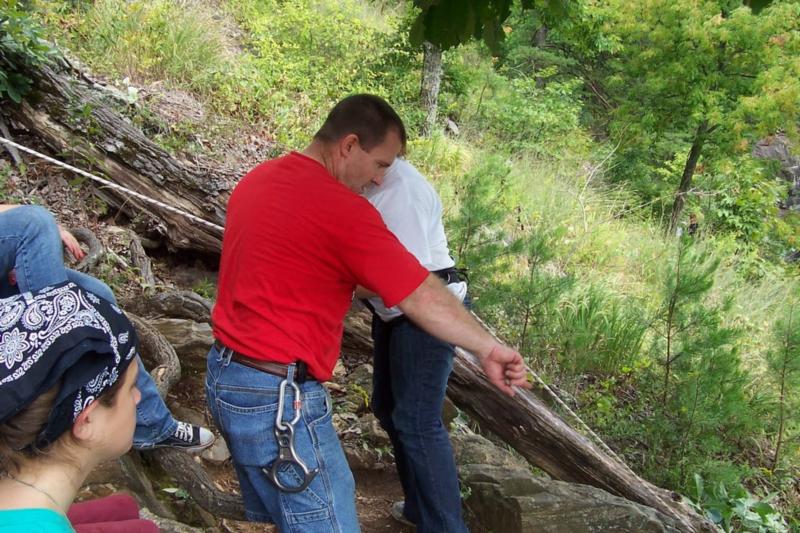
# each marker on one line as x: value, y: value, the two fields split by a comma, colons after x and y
x: 95, y: 252
x: 192, y: 477
x: 154, y: 347
x: 546, y: 441
x: 181, y: 466
x: 76, y: 117
x: 173, y: 304
x: 141, y: 261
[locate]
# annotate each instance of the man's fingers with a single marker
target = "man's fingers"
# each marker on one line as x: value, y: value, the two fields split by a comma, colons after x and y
x: 504, y: 387
x: 522, y: 383
x: 516, y: 374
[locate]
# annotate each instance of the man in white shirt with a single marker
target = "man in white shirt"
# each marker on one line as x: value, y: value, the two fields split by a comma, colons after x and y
x: 411, y: 367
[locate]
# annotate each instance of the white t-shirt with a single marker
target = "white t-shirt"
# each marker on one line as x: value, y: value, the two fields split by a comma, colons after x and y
x: 412, y: 210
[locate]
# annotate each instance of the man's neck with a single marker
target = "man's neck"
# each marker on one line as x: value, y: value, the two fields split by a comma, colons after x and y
x: 321, y: 153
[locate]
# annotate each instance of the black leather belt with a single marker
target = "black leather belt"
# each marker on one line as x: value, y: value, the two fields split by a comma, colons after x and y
x: 270, y: 367
x: 451, y: 275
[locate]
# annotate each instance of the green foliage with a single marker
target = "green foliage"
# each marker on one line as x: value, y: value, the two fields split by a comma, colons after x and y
x: 21, y: 48
x: 447, y: 23
x: 736, y: 510
x: 704, y: 408
x: 147, y: 41
x: 598, y: 333
x: 524, y: 295
x: 510, y: 114
x: 308, y: 54
x: 783, y: 362
x: 479, y: 235
x: 710, y: 73
x: 205, y: 288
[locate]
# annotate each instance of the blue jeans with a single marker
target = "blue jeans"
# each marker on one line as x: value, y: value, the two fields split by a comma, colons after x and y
x: 409, y: 382
x: 244, y: 404
x: 31, y: 245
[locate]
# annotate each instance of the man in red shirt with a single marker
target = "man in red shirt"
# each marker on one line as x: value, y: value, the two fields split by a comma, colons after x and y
x: 299, y: 238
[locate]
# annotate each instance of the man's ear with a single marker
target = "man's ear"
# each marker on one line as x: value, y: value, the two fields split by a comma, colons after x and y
x: 347, y: 143
x: 85, y: 424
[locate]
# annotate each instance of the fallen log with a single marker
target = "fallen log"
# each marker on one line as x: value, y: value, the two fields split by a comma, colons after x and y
x: 81, y: 120
x: 141, y: 261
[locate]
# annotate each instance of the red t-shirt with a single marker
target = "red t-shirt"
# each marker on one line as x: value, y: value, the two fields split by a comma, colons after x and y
x: 296, y: 244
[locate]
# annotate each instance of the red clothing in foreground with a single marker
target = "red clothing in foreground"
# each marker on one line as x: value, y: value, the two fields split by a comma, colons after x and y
x: 296, y: 244
x: 113, y: 514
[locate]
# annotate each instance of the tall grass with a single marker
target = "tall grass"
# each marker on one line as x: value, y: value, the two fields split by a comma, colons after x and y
x: 172, y: 40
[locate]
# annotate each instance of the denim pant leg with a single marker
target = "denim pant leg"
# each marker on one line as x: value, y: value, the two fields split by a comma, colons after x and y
x: 154, y: 420
x: 91, y: 284
x: 31, y: 244
x: 420, y: 367
x: 383, y: 406
x: 244, y: 404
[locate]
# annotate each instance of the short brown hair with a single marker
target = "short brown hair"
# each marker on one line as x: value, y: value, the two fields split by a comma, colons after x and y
x: 368, y: 116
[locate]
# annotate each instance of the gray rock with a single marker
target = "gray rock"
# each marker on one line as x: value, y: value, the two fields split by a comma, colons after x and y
x: 449, y: 412
x: 372, y: 432
x: 471, y: 449
x: 778, y: 147
x: 359, y: 458
x: 218, y: 452
x: 505, y: 496
x: 339, y: 371
x: 186, y: 414
x: 361, y: 376
x: 451, y: 127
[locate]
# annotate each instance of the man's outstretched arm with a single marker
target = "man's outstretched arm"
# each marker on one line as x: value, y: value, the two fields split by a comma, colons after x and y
x: 436, y: 310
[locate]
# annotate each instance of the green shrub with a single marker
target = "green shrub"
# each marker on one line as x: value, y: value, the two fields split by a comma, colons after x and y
x: 21, y: 48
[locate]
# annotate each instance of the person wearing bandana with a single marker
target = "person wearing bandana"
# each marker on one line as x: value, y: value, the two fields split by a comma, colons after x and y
x: 68, y: 370
x: 31, y: 258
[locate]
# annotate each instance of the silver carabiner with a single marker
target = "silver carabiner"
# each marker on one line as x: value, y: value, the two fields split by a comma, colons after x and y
x: 284, y: 434
x: 298, y: 404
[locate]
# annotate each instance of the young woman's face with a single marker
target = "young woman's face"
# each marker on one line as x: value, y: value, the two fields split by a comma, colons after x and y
x: 118, y: 422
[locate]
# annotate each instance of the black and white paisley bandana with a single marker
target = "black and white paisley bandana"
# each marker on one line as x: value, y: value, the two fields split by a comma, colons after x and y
x: 60, y: 334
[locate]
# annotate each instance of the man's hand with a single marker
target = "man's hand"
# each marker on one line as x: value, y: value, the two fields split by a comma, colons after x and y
x: 505, y: 369
x: 71, y: 243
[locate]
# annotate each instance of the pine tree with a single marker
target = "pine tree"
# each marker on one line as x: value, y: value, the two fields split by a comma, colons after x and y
x: 704, y: 406
x: 784, y: 365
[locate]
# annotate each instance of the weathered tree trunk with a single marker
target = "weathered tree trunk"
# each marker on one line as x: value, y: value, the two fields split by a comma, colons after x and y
x: 688, y: 173
x: 155, y: 348
x: 431, y: 81
x: 72, y: 116
x: 546, y: 441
